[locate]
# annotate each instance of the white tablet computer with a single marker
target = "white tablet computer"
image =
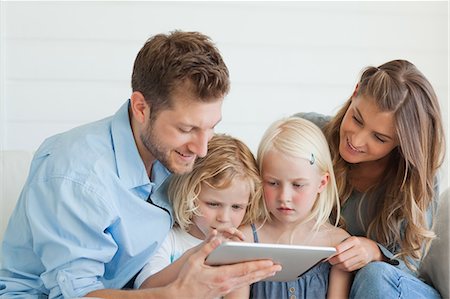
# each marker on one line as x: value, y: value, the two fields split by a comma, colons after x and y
x: 294, y: 259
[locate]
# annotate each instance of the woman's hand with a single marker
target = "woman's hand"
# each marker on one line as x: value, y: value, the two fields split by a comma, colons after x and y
x: 354, y: 253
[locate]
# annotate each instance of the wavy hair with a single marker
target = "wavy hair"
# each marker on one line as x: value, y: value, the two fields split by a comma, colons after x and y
x: 399, y: 87
x: 227, y: 159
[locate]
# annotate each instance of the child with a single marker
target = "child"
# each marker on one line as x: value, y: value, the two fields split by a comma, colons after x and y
x: 222, y: 192
x: 299, y: 193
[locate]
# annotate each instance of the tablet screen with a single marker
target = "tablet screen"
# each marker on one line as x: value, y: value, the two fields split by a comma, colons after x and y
x: 294, y: 259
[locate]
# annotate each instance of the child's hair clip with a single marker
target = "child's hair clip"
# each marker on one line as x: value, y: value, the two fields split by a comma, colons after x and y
x: 312, y: 159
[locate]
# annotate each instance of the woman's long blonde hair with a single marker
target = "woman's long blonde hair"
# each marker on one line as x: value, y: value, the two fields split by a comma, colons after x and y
x: 399, y: 87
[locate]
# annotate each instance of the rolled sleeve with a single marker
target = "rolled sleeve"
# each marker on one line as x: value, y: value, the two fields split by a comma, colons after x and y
x: 70, y: 286
x: 71, y: 237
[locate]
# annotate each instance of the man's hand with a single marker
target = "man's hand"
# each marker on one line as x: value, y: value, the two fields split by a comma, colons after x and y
x: 198, y: 280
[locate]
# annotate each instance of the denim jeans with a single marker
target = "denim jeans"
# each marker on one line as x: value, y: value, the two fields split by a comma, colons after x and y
x: 382, y: 280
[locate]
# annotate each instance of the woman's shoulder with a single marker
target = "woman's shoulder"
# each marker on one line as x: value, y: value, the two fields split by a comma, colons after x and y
x: 318, y: 119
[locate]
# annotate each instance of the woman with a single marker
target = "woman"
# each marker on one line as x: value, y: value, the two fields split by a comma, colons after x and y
x: 387, y: 144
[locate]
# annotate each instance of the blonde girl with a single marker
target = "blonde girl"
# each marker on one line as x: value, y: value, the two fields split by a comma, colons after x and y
x: 300, y: 193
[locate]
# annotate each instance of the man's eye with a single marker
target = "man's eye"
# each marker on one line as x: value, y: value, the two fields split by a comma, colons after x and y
x: 184, y: 130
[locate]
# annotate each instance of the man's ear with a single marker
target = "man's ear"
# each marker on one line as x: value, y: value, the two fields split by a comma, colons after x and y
x: 323, y: 182
x: 140, y: 110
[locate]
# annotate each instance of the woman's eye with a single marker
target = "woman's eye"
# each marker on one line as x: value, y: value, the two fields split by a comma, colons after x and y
x: 380, y: 139
x: 298, y: 185
x: 357, y: 120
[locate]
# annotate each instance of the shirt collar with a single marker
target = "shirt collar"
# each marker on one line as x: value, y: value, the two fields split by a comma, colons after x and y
x: 130, y: 167
x: 159, y: 174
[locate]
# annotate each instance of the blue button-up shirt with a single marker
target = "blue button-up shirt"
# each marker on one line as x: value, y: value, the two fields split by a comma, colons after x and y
x: 82, y: 221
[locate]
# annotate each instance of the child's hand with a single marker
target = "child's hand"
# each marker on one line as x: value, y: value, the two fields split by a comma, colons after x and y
x: 230, y: 234
x: 226, y: 234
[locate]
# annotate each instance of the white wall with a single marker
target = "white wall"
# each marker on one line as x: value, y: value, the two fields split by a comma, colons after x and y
x: 67, y: 63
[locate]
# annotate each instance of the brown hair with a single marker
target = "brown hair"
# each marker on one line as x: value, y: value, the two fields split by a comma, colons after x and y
x: 166, y: 61
x: 408, y: 184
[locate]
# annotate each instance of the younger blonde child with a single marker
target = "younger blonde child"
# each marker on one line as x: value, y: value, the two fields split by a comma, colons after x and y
x: 300, y: 194
x: 222, y: 192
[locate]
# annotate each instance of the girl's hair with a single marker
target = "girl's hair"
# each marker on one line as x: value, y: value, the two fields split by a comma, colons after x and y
x: 408, y: 184
x: 300, y: 138
x: 227, y: 159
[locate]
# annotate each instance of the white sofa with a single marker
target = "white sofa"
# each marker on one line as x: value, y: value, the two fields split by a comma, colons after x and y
x: 434, y: 269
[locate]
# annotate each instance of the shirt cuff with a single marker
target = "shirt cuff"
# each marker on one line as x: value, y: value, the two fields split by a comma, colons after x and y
x: 69, y: 286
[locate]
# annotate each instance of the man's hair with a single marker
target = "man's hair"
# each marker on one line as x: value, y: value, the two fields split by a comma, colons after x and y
x: 228, y: 160
x: 167, y: 61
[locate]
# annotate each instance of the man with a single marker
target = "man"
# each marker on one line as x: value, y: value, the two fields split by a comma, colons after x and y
x: 95, y: 208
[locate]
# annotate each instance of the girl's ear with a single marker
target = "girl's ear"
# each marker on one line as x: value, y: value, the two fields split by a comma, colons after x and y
x: 323, y: 182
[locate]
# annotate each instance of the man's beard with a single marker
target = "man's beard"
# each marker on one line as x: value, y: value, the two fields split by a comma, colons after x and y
x: 154, y: 145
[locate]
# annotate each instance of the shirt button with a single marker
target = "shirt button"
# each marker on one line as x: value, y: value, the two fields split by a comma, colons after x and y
x: 292, y: 297
x: 292, y: 290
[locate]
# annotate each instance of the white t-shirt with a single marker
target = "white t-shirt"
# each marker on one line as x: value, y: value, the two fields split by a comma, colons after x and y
x: 176, y: 243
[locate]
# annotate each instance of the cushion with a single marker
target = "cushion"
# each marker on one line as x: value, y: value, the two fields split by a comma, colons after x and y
x: 435, y: 266
x: 13, y: 173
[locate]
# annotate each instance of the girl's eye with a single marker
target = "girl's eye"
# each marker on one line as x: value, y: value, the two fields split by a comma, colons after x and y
x: 271, y: 183
x: 212, y: 204
x: 237, y: 207
x: 298, y: 185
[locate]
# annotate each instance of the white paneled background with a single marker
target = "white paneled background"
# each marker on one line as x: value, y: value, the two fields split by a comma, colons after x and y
x: 67, y: 63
